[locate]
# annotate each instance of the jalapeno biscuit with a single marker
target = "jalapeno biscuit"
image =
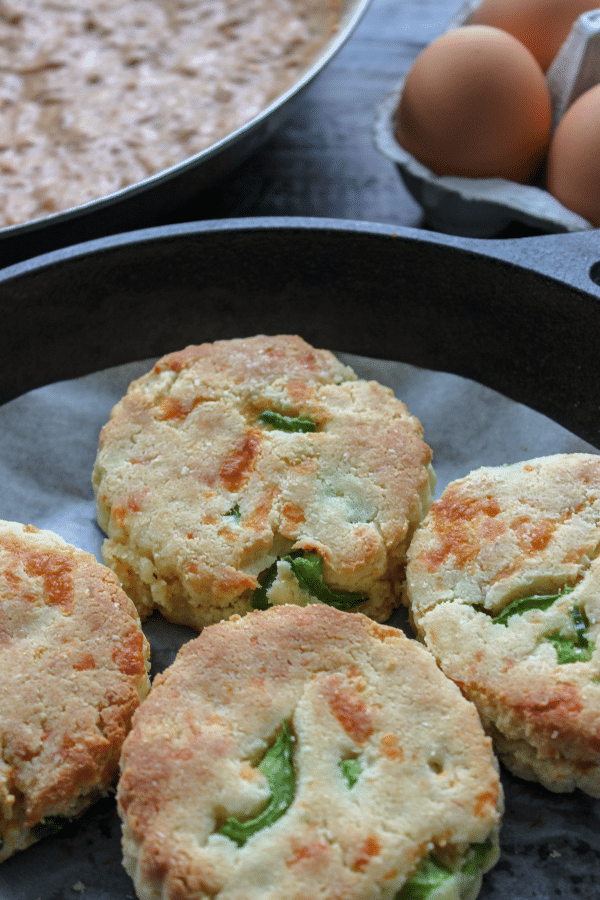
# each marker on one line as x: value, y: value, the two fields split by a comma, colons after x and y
x: 250, y: 472
x: 503, y: 584
x: 306, y: 752
x: 73, y: 662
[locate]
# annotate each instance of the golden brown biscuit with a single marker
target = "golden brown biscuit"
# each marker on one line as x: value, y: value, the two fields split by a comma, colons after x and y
x: 503, y: 583
x: 306, y: 752
x: 246, y: 473
x: 73, y: 662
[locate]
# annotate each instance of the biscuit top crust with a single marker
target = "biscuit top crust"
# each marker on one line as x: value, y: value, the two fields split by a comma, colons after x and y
x: 251, y: 362
x: 497, y: 536
x: 193, y: 487
x: 509, y: 531
x: 349, y: 689
x: 73, y: 662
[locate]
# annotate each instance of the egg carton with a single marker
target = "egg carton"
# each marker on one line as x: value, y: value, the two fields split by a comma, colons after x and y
x: 483, y: 207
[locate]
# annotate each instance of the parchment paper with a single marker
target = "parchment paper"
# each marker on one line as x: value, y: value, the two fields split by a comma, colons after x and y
x: 48, y: 440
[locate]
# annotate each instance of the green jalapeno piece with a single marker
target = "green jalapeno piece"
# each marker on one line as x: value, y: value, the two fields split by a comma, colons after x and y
x: 277, y: 767
x: 287, y: 423
x: 308, y: 570
x: 522, y: 605
x: 573, y: 648
x: 265, y: 581
x: 351, y: 769
x: 47, y: 826
x: 432, y: 873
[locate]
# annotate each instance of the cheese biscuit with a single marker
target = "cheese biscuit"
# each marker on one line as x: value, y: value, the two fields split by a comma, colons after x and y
x: 304, y: 752
x: 245, y: 473
x: 74, y: 669
x: 503, y: 585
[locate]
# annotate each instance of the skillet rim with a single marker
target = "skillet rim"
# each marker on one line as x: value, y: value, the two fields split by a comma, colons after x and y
x: 489, y: 296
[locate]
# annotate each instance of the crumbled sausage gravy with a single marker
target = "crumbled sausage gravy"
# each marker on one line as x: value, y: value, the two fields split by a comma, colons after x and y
x: 95, y: 97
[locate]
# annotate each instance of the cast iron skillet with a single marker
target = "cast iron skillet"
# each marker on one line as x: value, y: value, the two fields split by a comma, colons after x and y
x: 520, y: 316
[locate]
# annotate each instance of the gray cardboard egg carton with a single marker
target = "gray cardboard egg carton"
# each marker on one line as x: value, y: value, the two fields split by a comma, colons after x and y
x: 483, y: 207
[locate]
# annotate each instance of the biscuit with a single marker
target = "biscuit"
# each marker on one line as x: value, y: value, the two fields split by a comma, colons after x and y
x: 303, y: 752
x: 250, y: 472
x: 73, y: 662
x: 503, y: 584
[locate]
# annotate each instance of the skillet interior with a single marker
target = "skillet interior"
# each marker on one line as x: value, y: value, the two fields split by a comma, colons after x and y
x: 519, y: 316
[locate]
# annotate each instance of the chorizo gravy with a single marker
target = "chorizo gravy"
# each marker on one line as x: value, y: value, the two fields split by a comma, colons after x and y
x: 96, y: 97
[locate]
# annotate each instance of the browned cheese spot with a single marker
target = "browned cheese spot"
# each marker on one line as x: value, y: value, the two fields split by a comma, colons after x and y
x: 173, y: 409
x: 350, y: 710
x: 84, y: 662
x: 56, y: 572
x: 258, y: 518
x: 16, y: 585
x: 555, y: 708
x: 293, y: 514
x: 485, y: 802
x: 236, y: 468
x: 179, y: 360
x: 533, y: 537
x: 390, y: 747
x: 298, y: 391
x: 312, y: 853
x: 370, y: 848
x: 232, y: 582
x: 133, y: 503
x: 129, y: 658
x: 308, y: 360
x: 460, y: 524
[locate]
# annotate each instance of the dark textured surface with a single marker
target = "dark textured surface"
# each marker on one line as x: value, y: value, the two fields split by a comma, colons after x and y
x: 185, y: 190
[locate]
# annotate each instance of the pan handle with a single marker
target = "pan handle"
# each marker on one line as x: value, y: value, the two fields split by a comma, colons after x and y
x: 573, y: 259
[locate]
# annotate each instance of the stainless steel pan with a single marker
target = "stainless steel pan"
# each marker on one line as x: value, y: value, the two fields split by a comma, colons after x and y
x: 522, y: 317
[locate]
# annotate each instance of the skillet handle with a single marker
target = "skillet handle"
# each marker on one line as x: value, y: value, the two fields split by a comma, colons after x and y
x: 520, y: 316
x: 573, y: 259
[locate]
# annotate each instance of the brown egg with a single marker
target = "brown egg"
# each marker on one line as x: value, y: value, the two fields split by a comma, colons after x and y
x: 476, y: 104
x: 542, y: 25
x: 573, y: 171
